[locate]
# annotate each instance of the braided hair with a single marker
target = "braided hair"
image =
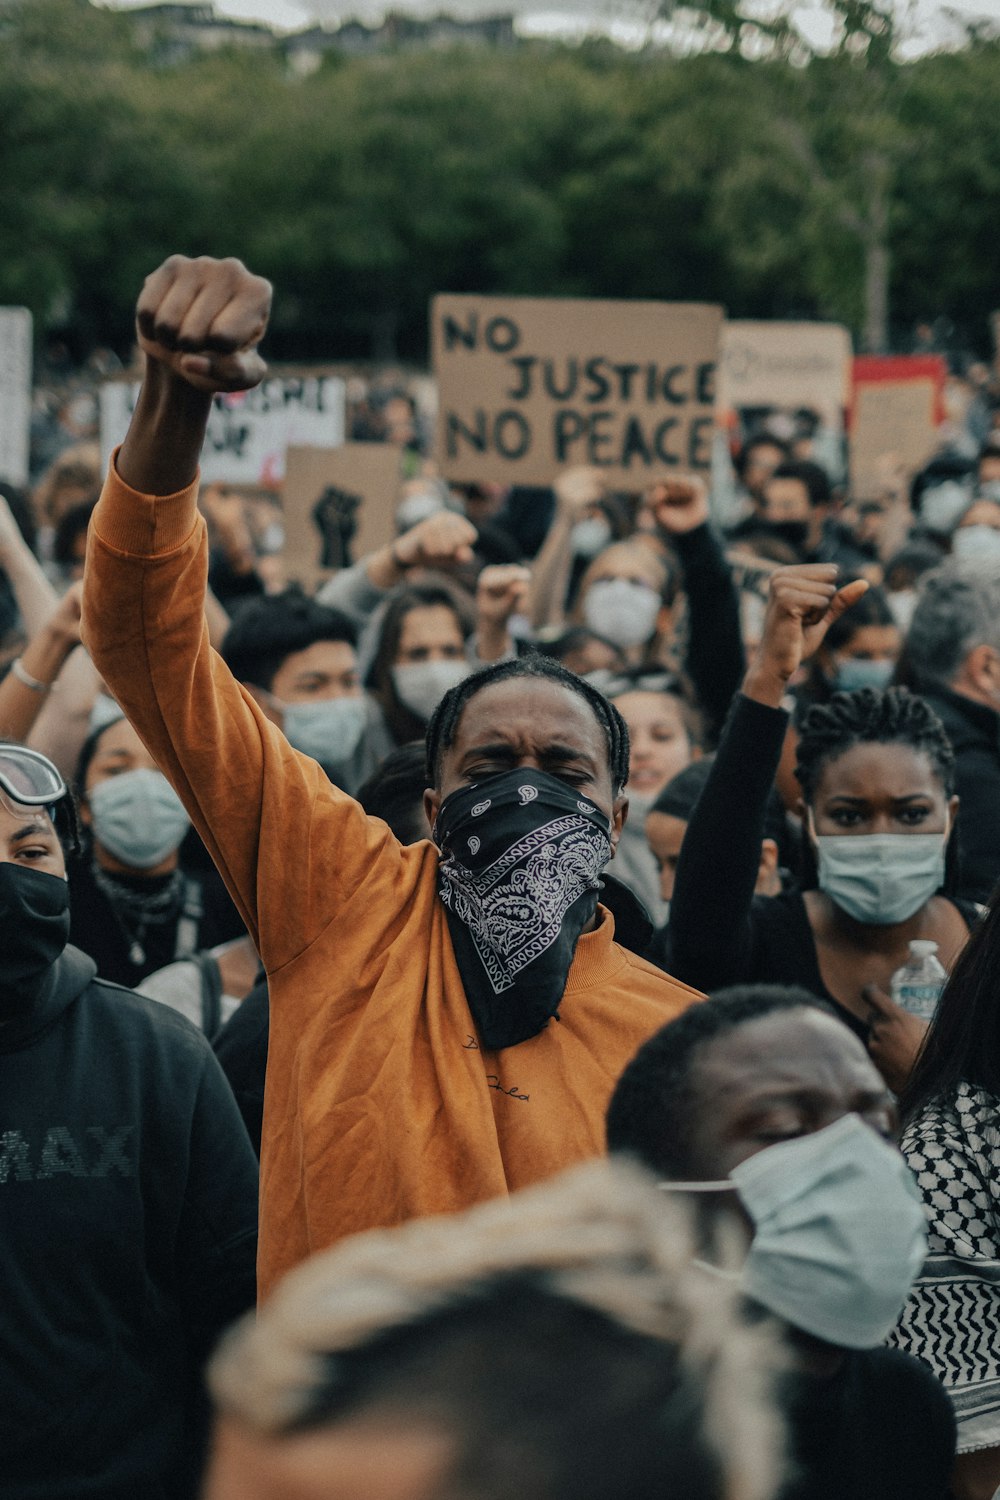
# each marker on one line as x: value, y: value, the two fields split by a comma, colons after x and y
x: 867, y: 717
x: 443, y: 724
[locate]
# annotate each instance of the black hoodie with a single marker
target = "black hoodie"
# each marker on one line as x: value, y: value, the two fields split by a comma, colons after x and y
x: 128, y: 1206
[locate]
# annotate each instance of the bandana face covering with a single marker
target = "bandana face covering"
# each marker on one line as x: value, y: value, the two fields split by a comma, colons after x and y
x: 522, y: 855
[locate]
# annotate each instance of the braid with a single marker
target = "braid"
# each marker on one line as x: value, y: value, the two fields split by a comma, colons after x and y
x: 866, y: 717
x: 443, y: 723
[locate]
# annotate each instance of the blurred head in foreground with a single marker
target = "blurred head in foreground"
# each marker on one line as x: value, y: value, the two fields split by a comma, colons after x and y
x: 558, y: 1345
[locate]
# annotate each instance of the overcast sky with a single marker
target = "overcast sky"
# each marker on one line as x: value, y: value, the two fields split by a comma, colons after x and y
x: 931, y: 17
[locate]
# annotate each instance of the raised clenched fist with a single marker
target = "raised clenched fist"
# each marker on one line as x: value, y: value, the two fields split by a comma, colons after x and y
x: 203, y: 319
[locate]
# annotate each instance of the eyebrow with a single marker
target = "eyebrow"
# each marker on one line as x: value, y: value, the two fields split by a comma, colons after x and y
x: 502, y: 749
x: 863, y: 801
x: 32, y: 830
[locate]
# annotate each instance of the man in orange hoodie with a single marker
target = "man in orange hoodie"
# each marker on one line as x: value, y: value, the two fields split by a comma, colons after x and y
x: 448, y: 1019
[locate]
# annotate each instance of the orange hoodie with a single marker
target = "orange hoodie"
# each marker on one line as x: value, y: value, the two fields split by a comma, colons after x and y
x: 380, y: 1104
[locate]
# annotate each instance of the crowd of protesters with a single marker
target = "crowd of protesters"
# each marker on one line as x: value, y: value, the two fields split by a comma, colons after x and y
x: 492, y: 968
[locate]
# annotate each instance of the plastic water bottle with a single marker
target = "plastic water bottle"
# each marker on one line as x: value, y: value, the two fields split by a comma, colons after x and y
x: 918, y: 984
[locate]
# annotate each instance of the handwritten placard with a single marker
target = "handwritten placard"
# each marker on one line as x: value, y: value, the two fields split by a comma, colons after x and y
x: 249, y: 432
x: 529, y: 386
x: 896, y: 410
x: 339, y: 504
x: 786, y: 365
x: 15, y: 393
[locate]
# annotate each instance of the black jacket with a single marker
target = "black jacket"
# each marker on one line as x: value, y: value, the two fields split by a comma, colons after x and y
x: 128, y: 1206
x: 974, y: 731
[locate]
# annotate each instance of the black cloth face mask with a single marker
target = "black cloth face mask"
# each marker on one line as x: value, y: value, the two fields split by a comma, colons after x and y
x: 34, y: 930
x: 522, y: 855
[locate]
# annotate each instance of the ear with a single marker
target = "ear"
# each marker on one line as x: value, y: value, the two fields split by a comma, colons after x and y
x: 953, y: 806
x: 432, y: 804
x: 83, y: 811
x: 619, y: 817
x: 265, y: 703
x: 979, y: 667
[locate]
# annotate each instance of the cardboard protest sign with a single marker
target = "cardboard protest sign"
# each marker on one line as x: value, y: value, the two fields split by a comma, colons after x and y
x: 897, y: 407
x: 787, y: 365
x: 15, y: 393
x: 530, y: 385
x: 249, y: 431
x: 339, y: 504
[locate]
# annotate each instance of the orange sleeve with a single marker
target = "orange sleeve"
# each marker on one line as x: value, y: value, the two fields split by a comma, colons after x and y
x: 296, y: 853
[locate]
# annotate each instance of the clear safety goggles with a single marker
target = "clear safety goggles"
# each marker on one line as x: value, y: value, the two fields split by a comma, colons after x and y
x: 28, y: 779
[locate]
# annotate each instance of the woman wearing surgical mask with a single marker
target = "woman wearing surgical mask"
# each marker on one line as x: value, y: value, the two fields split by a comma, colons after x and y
x: 134, y: 907
x: 876, y: 773
x: 626, y: 595
x: 431, y: 636
x: 860, y: 650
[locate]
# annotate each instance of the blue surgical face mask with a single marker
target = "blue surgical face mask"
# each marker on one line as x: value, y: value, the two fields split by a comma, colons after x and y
x: 330, y: 730
x: 138, y: 818
x: 622, y: 610
x: 976, y: 543
x: 839, y: 1234
x: 855, y: 672
x: 880, y: 878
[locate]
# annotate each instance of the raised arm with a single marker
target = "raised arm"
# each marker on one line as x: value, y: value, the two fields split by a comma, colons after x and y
x: 714, y: 658
x: 271, y: 820
x: 710, y: 934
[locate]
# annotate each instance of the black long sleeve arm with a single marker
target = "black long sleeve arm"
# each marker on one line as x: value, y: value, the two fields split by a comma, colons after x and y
x: 709, y: 938
x: 715, y: 661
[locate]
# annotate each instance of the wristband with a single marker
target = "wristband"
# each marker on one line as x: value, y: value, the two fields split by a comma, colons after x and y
x: 25, y: 678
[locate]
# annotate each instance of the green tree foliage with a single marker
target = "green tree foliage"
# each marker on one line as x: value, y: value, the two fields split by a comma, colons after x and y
x: 850, y: 185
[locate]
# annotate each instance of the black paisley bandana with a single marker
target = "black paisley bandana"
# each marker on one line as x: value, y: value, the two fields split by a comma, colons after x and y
x: 522, y: 855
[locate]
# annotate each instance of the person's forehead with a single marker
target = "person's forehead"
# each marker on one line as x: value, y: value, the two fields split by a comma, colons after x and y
x: 322, y: 656
x: 119, y: 736
x: 982, y: 512
x: 787, y: 490
x: 894, y: 769
x: 430, y: 619
x: 533, y: 708
x: 798, y: 1050
x: 665, y: 830
x: 628, y: 562
x: 646, y: 707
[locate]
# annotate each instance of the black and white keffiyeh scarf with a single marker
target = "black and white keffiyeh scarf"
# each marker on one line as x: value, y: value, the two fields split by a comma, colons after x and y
x: 522, y: 855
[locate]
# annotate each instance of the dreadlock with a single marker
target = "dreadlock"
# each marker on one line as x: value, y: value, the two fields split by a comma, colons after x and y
x: 444, y: 721
x: 866, y: 717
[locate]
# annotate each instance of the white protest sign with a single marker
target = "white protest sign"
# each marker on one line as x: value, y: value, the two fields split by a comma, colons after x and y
x: 531, y: 385
x: 15, y: 393
x: 249, y: 432
x: 787, y: 365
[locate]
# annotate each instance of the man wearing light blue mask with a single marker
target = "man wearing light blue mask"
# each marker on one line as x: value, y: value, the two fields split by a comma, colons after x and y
x: 765, y: 1109
x: 297, y: 660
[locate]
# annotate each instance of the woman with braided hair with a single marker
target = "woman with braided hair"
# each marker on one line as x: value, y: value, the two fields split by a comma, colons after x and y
x: 876, y: 773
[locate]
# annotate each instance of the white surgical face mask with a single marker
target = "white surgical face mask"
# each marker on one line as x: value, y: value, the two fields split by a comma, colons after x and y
x: 902, y: 603
x: 421, y: 685
x: 330, y: 730
x: 138, y: 817
x: 839, y: 1232
x: 976, y: 543
x: 589, y: 537
x: 623, y: 611
x: 943, y: 504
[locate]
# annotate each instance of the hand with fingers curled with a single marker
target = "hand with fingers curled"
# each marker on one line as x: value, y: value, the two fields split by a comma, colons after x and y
x: 502, y: 591
x: 894, y: 1037
x: 680, y: 504
x: 203, y: 319
x: 803, y: 602
x: 441, y: 540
